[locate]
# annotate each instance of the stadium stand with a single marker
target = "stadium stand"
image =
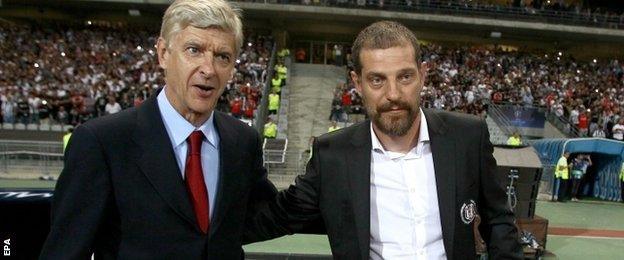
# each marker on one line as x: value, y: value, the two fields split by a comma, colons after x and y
x: 557, y: 12
x: 587, y: 96
x: 75, y: 72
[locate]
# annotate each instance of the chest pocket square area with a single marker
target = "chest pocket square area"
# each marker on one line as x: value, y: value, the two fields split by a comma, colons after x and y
x: 468, y: 212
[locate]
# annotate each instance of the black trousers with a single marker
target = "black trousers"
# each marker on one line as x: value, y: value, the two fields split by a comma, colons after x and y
x: 622, y: 191
x: 564, y: 190
x: 575, y: 187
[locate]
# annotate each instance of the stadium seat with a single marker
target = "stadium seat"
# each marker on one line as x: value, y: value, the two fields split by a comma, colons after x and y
x: 57, y: 128
x: 32, y: 127
x: 44, y: 127
x: 67, y: 127
x: 7, y: 126
x: 20, y: 126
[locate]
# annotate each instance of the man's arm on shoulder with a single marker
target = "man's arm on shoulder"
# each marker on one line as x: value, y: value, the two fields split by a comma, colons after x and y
x: 498, y: 227
x: 292, y: 210
x: 81, y: 199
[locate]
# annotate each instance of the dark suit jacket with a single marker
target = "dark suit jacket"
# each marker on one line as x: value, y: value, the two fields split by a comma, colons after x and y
x: 336, y: 190
x: 121, y: 194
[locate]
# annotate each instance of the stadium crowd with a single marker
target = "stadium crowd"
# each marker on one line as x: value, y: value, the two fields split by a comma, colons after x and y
x: 68, y: 74
x: 588, y: 95
x: 575, y: 12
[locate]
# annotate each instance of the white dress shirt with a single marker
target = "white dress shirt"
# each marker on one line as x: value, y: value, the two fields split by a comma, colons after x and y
x: 179, y: 129
x: 405, y: 218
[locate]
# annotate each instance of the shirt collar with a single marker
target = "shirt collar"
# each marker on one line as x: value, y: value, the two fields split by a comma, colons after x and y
x: 179, y: 128
x: 423, y: 137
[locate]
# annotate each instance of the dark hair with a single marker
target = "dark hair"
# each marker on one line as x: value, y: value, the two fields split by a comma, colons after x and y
x: 383, y: 35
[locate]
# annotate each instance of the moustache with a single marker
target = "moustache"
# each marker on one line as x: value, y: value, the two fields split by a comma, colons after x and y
x: 393, y: 105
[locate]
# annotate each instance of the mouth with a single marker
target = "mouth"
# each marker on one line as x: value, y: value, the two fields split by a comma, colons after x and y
x: 204, y: 90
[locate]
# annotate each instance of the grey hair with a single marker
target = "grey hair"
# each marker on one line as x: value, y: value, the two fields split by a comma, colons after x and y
x: 202, y: 14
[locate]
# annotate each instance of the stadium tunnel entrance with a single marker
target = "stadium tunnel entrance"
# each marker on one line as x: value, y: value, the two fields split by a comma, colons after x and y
x: 602, y: 177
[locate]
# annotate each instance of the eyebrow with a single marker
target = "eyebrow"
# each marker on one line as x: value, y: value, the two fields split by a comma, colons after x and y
x: 372, y: 74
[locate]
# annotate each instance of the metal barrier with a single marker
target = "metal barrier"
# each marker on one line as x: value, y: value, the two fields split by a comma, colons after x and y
x: 22, y: 159
x: 503, y: 122
x: 563, y: 124
x: 294, y: 163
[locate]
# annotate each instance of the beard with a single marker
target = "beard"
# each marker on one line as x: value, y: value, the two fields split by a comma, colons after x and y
x: 393, y: 124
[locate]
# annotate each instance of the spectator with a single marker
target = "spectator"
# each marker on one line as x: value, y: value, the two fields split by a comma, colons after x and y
x: 599, y: 133
x: 112, y: 107
x: 618, y: 130
x: 300, y: 55
x: 8, y: 111
x: 23, y: 111
x: 236, y: 107
x: 71, y: 66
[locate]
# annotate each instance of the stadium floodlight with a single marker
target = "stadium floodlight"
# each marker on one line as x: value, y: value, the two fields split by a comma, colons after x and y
x: 595, y: 60
x: 134, y: 12
x: 495, y: 34
x: 36, y: 65
x: 89, y: 22
x: 560, y: 53
x: 63, y: 54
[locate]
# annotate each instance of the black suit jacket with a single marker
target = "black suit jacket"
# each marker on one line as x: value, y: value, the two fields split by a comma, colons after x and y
x: 121, y: 194
x: 336, y: 190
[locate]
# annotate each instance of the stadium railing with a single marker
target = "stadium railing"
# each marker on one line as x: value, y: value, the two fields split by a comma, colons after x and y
x: 563, y: 124
x: 494, y: 110
x: 30, y: 159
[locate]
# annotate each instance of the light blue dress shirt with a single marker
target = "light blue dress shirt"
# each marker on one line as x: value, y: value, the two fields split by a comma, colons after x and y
x: 179, y: 130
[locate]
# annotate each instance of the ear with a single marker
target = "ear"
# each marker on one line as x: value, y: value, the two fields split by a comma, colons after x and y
x: 356, y: 80
x: 163, y: 55
x: 424, y: 69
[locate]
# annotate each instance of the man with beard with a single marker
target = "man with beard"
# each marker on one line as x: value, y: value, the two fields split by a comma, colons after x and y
x: 406, y: 185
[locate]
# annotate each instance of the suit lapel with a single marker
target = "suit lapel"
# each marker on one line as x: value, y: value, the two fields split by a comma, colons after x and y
x: 358, y: 160
x: 229, y: 170
x: 157, y: 159
x: 442, y: 148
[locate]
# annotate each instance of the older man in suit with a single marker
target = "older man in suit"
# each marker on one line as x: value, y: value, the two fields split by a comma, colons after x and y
x: 171, y: 179
x: 406, y: 185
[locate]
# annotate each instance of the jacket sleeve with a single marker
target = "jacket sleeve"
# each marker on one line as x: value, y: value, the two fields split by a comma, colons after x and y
x: 293, y: 210
x: 81, y: 199
x: 498, y: 227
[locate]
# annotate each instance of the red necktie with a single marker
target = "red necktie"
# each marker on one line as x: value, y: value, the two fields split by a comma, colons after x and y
x: 195, y: 181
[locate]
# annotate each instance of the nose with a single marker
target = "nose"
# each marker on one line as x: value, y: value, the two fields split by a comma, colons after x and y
x: 206, y: 68
x: 392, y: 91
